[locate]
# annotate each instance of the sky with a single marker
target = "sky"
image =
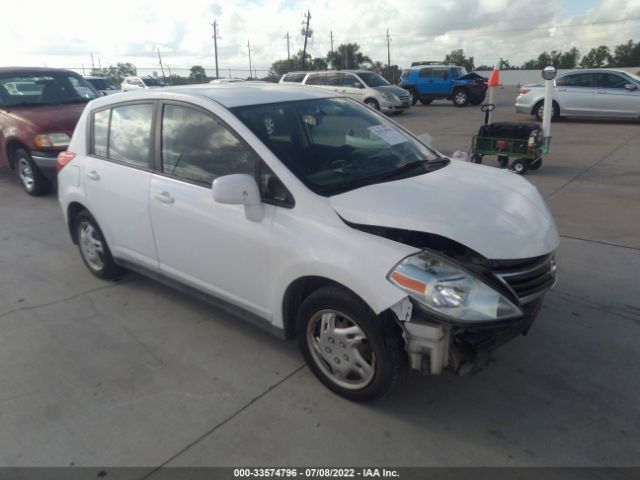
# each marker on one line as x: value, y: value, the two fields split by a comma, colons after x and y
x: 65, y: 33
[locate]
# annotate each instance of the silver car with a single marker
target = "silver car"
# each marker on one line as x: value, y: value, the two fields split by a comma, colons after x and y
x: 586, y: 93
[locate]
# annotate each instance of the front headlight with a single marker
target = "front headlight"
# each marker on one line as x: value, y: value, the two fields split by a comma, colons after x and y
x: 449, y: 291
x: 389, y: 96
x: 52, y: 140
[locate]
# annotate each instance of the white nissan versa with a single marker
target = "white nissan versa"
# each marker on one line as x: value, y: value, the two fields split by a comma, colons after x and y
x: 313, y: 216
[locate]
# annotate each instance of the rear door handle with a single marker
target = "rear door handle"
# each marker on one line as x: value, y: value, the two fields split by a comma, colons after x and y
x: 164, y: 197
x: 93, y: 175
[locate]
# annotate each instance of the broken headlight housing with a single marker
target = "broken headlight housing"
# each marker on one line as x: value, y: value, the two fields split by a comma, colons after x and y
x: 450, y: 291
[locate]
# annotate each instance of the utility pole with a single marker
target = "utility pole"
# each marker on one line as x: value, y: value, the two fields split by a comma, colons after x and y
x: 93, y: 67
x: 161, y: 67
x: 393, y: 80
x: 307, y: 33
x: 215, y: 43
x: 331, y: 37
x: 249, y: 49
x: 287, y: 36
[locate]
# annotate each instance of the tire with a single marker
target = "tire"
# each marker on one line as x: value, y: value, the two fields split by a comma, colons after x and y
x: 476, y: 158
x: 535, y: 164
x: 373, y: 103
x: 93, y: 248
x: 503, y: 160
x: 362, y: 365
x: 31, y: 179
x: 426, y: 101
x: 460, y: 98
x: 520, y: 166
x: 538, y: 111
x: 413, y: 96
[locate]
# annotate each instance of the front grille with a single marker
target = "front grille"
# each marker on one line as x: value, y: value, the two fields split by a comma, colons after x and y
x: 404, y: 97
x: 529, y: 280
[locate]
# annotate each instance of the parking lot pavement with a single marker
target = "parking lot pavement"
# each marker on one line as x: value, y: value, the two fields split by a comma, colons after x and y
x: 133, y: 373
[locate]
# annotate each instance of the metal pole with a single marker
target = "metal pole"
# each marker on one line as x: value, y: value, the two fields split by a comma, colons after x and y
x: 288, y: 52
x: 331, y: 37
x: 306, y: 35
x: 548, y: 100
x: 93, y: 67
x: 249, y: 49
x: 215, y: 43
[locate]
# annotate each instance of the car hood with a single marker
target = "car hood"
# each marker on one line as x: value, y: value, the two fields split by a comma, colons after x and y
x: 50, y: 118
x: 494, y: 212
x: 391, y: 89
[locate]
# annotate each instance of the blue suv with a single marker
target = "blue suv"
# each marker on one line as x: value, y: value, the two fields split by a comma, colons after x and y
x: 429, y: 81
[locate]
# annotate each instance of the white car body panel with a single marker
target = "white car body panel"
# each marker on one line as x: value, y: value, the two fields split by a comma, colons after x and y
x: 308, y: 240
x: 494, y: 212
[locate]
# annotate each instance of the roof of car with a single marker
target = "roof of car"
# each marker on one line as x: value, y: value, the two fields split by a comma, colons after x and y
x: 31, y: 70
x: 232, y: 94
x: 595, y: 70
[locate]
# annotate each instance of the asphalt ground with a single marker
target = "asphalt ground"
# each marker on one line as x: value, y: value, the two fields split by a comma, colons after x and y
x: 135, y: 374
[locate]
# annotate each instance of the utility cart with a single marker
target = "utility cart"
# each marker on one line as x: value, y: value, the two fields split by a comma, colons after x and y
x: 518, y: 146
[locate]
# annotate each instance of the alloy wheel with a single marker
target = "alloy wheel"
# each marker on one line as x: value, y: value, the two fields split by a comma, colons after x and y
x: 91, y: 246
x: 341, y: 349
x: 26, y: 174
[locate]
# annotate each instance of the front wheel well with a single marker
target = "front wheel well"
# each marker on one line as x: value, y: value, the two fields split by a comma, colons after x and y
x: 12, y: 146
x: 297, y: 292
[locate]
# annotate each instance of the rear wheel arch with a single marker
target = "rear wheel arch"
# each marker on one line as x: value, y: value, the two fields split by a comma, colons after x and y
x: 73, y: 210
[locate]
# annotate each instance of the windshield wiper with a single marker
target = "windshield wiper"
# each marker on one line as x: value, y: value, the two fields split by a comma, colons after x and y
x: 400, y: 171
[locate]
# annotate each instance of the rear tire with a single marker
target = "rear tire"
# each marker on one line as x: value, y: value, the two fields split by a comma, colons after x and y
x: 93, y: 248
x: 538, y: 111
x: 31, y: 179
x: 349, y: 348
x: 535, y: 164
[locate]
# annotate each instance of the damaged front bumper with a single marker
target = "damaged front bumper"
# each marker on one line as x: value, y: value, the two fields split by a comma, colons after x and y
x: 461, y: 348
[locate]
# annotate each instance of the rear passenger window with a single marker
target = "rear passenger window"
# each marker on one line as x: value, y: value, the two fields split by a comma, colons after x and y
x: 101, y: 132
x: 198, y: 148
x: 130, y: 134
x: 315, y: 79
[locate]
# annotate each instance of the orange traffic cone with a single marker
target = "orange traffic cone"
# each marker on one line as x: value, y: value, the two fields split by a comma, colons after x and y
x: 494, y: 79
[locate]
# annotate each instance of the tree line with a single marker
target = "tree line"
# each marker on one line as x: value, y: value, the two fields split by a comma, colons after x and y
x: 349, y: 56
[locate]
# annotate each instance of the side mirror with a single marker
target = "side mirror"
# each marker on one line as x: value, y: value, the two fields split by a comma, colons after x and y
x: 239, y: 189
x: 358, y: 85
x: 631, y: 87
x: 426, y: 139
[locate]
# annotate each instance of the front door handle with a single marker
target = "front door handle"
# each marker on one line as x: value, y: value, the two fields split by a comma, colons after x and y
x: 164, y: 197
x: 93, y: 175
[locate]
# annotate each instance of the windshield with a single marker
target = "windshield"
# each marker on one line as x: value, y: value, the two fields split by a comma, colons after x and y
x: 102, y: 84
x: 373, y: 79
x: 458, y: 72
x: 335, y: 145
x: 151, y: 82
x: 45, y: 89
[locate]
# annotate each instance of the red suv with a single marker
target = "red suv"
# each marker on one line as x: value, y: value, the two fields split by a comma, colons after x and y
x: 39, y: 109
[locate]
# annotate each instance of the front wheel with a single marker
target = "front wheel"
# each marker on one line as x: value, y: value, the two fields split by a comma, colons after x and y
x: 460, y: 98
x: 373, y: 103
x: 413, y: 96
x: 520, y: 166
x: 346, y: 346
x: 31, y: 179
